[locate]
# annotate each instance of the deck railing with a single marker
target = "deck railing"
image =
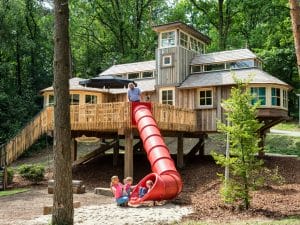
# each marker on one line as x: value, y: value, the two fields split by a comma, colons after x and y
x: 96, y: 117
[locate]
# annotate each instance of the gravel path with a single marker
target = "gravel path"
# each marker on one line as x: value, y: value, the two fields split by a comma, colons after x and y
x: 110, y: 214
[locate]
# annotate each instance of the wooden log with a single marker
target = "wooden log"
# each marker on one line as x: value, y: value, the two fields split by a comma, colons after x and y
x: 103, y: 191
x: 48, y: 209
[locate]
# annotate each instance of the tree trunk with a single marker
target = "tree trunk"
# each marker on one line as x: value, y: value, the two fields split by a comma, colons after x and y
x: 63, y: 212
x: 295, y: 17
x: 18, y: 66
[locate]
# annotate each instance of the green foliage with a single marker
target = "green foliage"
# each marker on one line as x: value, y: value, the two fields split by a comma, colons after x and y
x: 242, y: 131
x: 10, y: 175
x: 280, y: 144
x: 34, y: 173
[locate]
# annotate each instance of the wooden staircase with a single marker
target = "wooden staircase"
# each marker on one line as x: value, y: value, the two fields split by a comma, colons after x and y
x: 30, y: 133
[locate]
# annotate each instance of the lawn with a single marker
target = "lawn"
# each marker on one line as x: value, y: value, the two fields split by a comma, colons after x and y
x: 290, y: 126
x: 13, y: 191
x: 281, y: 144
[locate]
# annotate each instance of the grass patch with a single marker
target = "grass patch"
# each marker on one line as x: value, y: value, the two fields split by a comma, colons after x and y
x: 13, y: 191
x: 287, y: 221
x: 290, y: 126
x: 281, y: 144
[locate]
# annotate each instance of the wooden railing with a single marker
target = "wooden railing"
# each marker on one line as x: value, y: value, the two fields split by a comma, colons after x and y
x: 25, y: 138
x: 96, y: 117
x: 173, y: 118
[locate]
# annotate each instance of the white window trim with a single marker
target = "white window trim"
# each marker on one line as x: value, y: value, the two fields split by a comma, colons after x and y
x: 165, y: 56
x: 170, y: 46
x: 145, y: 72
x: 139, y: 77
x: 167, y: 89
x: 198, y: 98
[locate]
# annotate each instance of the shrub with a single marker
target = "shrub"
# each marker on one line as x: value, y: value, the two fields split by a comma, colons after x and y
x: 10, y: 175
x: 34, y: 173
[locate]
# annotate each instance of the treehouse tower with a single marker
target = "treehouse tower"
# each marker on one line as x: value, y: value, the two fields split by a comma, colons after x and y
x: 178, y: 44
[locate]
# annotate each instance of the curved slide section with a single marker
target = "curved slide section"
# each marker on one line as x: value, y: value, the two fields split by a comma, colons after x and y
x: 167, y: 183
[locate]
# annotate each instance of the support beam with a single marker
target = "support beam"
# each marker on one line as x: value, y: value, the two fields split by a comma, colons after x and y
x: 128, y: 157
x: 202, y: 145
x: 180, y: 160
x: 73, y: 149
x: 261, y: 144
x: 116, y: 153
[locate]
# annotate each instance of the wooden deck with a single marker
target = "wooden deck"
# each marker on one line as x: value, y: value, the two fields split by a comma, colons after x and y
x: 105, y: 117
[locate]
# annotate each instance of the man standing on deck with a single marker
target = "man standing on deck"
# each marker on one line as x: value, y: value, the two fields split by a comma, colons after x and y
x: 134, y: 93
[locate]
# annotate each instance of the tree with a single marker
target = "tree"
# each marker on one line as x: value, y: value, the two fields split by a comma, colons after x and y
x: 242, y: 130
x: 295, y: 17
x: 63, y: 211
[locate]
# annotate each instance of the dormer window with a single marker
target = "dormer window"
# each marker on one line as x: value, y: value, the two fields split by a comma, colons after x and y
x: 240, y: 64
x: 214, y: 67
x: 168, y: 39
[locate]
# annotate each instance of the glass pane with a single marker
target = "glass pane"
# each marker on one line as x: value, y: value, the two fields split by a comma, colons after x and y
x: 278, y: 92
x: 170, y: 95
x: 202, y: 94
x: 75, y: 99
x: 208, y: 101
x: 262, y: 91
x: 202, y: 101
x: 208, y: 94
x: 147, y: 74
x: 167, y: 60
x: 51, y: 100
x: 273, y: 91
x: 133, y: 75
x: 262, y: 100
x: 196, y: 69
x: 274, y: 101
x: 88, y: 99
x: 164, y: 95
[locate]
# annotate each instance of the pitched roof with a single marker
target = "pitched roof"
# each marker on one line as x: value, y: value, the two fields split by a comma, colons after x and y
x: 219, y: 78
x: 146, y: 85
x: 130, y: 68
x: 75, y: 86
x: 224, y: 56
x: 189, y: 29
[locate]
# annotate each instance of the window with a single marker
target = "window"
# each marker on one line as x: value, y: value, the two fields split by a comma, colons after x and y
x: 240, y: 64
x: 147, y: 74
x: 133, y: 75
x: 259, y: 94
x: 51, y: 100
x: 275, y: 97
x: 167, y: 60
x: 205, y: 98
x: 167, y: 39
x: 91, y: 99
x: 196, y: 69
x: 213, y: 67
x: 184, y: 40
x: 167, y: 97
x: 74, y: 99
x: 285, y: 98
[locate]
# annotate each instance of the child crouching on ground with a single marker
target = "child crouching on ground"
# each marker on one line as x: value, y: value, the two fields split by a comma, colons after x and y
x: 127, y: 188
x: 117, y: 190
x: 145, y: 190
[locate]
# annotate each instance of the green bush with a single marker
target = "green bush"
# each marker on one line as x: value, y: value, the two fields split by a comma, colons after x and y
x: 34, y: 173
x: 10, y: 175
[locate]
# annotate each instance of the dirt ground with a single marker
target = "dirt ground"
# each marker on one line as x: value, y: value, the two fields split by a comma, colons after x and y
x: 201, y: 190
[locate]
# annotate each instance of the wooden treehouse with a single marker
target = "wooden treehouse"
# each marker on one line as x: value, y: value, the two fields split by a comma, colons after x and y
x: 184, y: 85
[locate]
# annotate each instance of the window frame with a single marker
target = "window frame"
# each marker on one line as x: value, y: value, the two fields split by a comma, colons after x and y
x: 71, y: 96
x: 137, y: 73
x: 259, y: 96
x: 163, y: 60
x: 93, y: 98
x: 150, y: 71
x: 285, y: 98
x: 278, y: 99
x: 198, y: 99
x: 167, y: 100
x: 49, y: 103
x: 168, y: 39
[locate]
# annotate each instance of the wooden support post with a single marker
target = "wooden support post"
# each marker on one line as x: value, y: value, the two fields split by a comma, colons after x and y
x: 116, y: 153
x: 261, y: 144
x: 201, y: 149
x: 128, y: 157
x: 73, y: 149
x: 180, y: 160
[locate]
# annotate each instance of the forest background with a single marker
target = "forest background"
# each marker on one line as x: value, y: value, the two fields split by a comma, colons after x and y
x: 104, y: 33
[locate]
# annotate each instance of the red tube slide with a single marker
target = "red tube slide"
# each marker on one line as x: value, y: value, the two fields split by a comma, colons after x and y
x: 166, y: 180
